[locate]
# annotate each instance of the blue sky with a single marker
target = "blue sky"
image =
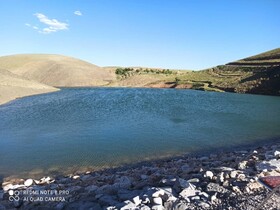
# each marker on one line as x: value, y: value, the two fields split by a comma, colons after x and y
x: 181, y: 34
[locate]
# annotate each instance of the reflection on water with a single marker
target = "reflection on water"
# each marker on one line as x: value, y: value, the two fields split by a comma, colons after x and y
x: 92, y: 128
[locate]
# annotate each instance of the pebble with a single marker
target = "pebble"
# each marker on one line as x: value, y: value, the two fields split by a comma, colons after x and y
x: 157, y: 201
x: 28, y: 182
x: 209, y: 174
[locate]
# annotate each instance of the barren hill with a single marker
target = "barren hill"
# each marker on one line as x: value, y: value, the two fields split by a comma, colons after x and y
x: 13, y: 86
x: 56, y: 70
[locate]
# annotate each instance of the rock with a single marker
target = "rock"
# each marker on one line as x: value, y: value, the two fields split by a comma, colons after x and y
x: 157, y: 207
x: 195, y: 198
x: 277, y: 154
x: 108, y: 200
x: 214, y: 198
x: 76, y: 177
x: 233, y: 174
x: 220, y: 177
x: 209, y: 174
x: 194, y: 180
x: 236, y: 189
x: 82, y: 205
x: 242, y: 165
x: 186, y: 193
x: 185, y: 184
x: 179, y: 206
x: 1, y: 195
x: 144, y: 177
x: 28, y: 182
x: 204, y: 194
x: 144, y: 207
x: 86, y: 177
x: 214, y: 187
x: 186, y: 168
x: 168, y: 181
x: 204, y: 205
x: 123, y: 182
x: 136, y: 200
x: 204, y: 158
x: 74, y: 188
x: 158, y: 193
x: 157, y: 201
x: 91, y: 188
x: 124, y: 194
x: 269, y: 165
x: 2, y: 207
x: 107, y: 189
x: 60, y: 206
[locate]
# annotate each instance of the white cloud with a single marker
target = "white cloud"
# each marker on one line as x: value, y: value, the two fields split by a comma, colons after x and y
x: 53, y: 24
x: 78, y: 13
x: 27, y: 24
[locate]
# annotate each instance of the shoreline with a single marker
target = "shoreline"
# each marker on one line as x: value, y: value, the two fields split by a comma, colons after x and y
x: 215, y: 180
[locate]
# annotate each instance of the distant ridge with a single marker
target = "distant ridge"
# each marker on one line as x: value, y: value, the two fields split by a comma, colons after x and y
x: 56, y: 70
x: 268, y: 58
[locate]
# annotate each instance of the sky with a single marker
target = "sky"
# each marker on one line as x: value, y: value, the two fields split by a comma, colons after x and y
x: 175, y: 34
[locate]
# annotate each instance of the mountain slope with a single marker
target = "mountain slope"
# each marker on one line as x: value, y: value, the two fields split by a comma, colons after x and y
x: 56, y: 70
x: 13, y: 86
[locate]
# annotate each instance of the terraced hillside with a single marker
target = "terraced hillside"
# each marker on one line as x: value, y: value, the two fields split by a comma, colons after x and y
x: 259, y: 74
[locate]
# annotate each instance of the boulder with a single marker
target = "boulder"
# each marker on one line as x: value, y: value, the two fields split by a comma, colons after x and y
x: 28, y: 182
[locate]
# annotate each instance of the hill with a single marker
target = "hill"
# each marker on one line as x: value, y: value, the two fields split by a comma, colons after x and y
x: 259, y: 74
x: 56, y: 70
x: 13, y: 86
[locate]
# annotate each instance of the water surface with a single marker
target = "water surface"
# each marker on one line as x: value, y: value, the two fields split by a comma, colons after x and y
x: 104, y: 127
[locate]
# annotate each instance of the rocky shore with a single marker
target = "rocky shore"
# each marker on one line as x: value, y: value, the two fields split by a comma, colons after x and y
x: 222, y: 180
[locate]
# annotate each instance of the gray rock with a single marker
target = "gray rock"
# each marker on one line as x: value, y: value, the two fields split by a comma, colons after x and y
x: 214, y: 187
x: 108, y: 200
x: 268, y: 165
x: 180, y: 206
x: 128, y: 206
x: 1, y: 194
x: 186, y: 193
x: 195, y: 198
x: 204, y: 194
x: 204, y: 205
x: 242, y: 165
x: 277, y: 154
x: 28, y: 182
x: 144, y: 207
x: 168, y: 181
x: 185, y: 184
x: 209, y: 174
x: 158, y: 193
x: 124, y: 194
x: 2, y: 207
x: 137, y: 200
x: 91, y: 188
x: 123, y: 182
x: 157, y: 201
x: 83, y: 205
x: 107, y: 189
x: 220, y: 177
x: 186, y: 168
x: 233, y: 174
x: 74, y: 188
x: 157, y: 207
x: 144, y: 177
x: 60, y: 206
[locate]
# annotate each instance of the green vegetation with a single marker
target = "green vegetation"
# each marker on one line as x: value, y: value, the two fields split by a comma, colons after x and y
x: 257, y: 74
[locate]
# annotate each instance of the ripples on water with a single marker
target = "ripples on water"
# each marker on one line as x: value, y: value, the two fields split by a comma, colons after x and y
x: 96, y: 127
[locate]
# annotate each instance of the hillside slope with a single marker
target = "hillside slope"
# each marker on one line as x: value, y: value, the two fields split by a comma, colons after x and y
x: 13, y: 86
x: 56, y: 70
x: 259, y: 74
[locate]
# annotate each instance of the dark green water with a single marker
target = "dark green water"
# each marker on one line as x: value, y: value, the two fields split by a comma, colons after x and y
x: 101, y: 127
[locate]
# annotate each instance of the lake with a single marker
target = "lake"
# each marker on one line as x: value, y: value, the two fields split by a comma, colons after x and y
x: 93, y: 128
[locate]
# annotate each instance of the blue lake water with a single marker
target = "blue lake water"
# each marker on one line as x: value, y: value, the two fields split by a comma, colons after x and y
x: 91, y: 128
